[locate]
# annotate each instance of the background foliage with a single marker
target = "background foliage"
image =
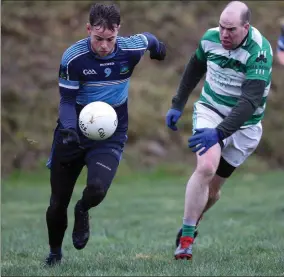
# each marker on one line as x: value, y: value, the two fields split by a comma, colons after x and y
x: 36, y: 33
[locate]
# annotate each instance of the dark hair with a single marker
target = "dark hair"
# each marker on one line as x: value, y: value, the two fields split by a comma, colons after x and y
x: 245, y: 16
x: 105, y: 16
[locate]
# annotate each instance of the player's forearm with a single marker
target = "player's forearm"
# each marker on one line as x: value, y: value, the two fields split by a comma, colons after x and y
x: 153, y: 42
x: 67, y: 111
x: 193, y: 73
x: 252, y: 93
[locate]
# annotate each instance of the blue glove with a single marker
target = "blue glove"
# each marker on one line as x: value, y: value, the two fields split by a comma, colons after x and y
x: 160, y: 54
x: 172, y: 118
x: 204, y: 137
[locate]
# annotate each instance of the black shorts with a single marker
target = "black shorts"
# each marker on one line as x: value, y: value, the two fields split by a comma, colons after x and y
x: 88, y: 148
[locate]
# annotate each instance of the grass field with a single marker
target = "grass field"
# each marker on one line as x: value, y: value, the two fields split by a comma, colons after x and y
x: 133, y: 230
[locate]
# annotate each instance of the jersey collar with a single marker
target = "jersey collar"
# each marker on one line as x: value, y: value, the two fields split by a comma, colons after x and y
x: 247, y: 38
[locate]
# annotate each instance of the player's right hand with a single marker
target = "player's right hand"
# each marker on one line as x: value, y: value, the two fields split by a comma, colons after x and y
x: 69, y: 148
x: 172, y: 118
x: 160, y: 53
x: 69, y: 136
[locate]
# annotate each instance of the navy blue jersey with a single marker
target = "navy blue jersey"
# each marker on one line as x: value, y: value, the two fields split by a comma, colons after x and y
x: 85, y: 77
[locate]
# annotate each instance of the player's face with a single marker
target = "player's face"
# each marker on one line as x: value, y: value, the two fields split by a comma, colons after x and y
x: 232, y: 31
x: 102, y: 40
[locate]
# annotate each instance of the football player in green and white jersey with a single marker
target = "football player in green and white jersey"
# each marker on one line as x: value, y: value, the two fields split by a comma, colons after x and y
x: 237, y: 61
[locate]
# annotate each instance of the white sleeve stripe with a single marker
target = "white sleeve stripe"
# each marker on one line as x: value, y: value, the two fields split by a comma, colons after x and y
x: 70, y: 87
x: 133, y: 49
x: 145, y: 39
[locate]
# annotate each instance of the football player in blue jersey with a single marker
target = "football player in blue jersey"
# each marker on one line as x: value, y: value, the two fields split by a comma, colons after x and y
x: 97, y: 68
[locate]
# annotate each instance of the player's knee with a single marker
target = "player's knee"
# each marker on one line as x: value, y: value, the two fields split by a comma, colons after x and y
x: 95, y: 192
x: 206, y: 168
x: 57, y: 207
x: 58, y: 204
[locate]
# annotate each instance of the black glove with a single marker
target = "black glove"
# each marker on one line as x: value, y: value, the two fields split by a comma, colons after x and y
x: 160, y: 54
x: 70, y: 149
x: 70, y: 137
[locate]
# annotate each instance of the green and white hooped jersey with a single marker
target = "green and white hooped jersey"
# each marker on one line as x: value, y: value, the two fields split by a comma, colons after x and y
x: 228, y: 69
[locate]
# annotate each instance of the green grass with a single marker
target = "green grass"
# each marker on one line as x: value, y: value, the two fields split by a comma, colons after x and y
x: 133, y: 230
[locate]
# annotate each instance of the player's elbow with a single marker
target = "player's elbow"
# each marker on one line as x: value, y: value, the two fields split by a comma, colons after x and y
x: 67, y: 96
x: 68, y: 99
x: 252, y: 93
x: 153, y: 42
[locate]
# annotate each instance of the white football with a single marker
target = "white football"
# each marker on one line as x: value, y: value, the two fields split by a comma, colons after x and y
x: 98, y: 120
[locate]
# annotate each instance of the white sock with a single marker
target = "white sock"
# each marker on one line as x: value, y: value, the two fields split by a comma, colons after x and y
x: 189, y: 222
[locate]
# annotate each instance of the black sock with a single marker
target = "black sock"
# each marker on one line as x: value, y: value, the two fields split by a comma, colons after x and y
x: 57, y: 224
x: 56, y: 251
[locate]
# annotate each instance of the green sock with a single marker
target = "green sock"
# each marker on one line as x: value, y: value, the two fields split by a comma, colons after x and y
x: 188, y: 230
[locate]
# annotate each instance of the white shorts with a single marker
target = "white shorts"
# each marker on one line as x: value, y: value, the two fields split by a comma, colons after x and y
x: 239, y: 145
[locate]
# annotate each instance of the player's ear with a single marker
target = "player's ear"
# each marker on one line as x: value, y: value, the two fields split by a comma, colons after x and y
x: 89, y: 28
x: 118, y: 27
x: 246, y: 26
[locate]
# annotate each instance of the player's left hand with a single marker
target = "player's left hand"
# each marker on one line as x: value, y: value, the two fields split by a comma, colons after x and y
x: 160, y: 54
x: 204, y: 138
x: 172, y: 118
